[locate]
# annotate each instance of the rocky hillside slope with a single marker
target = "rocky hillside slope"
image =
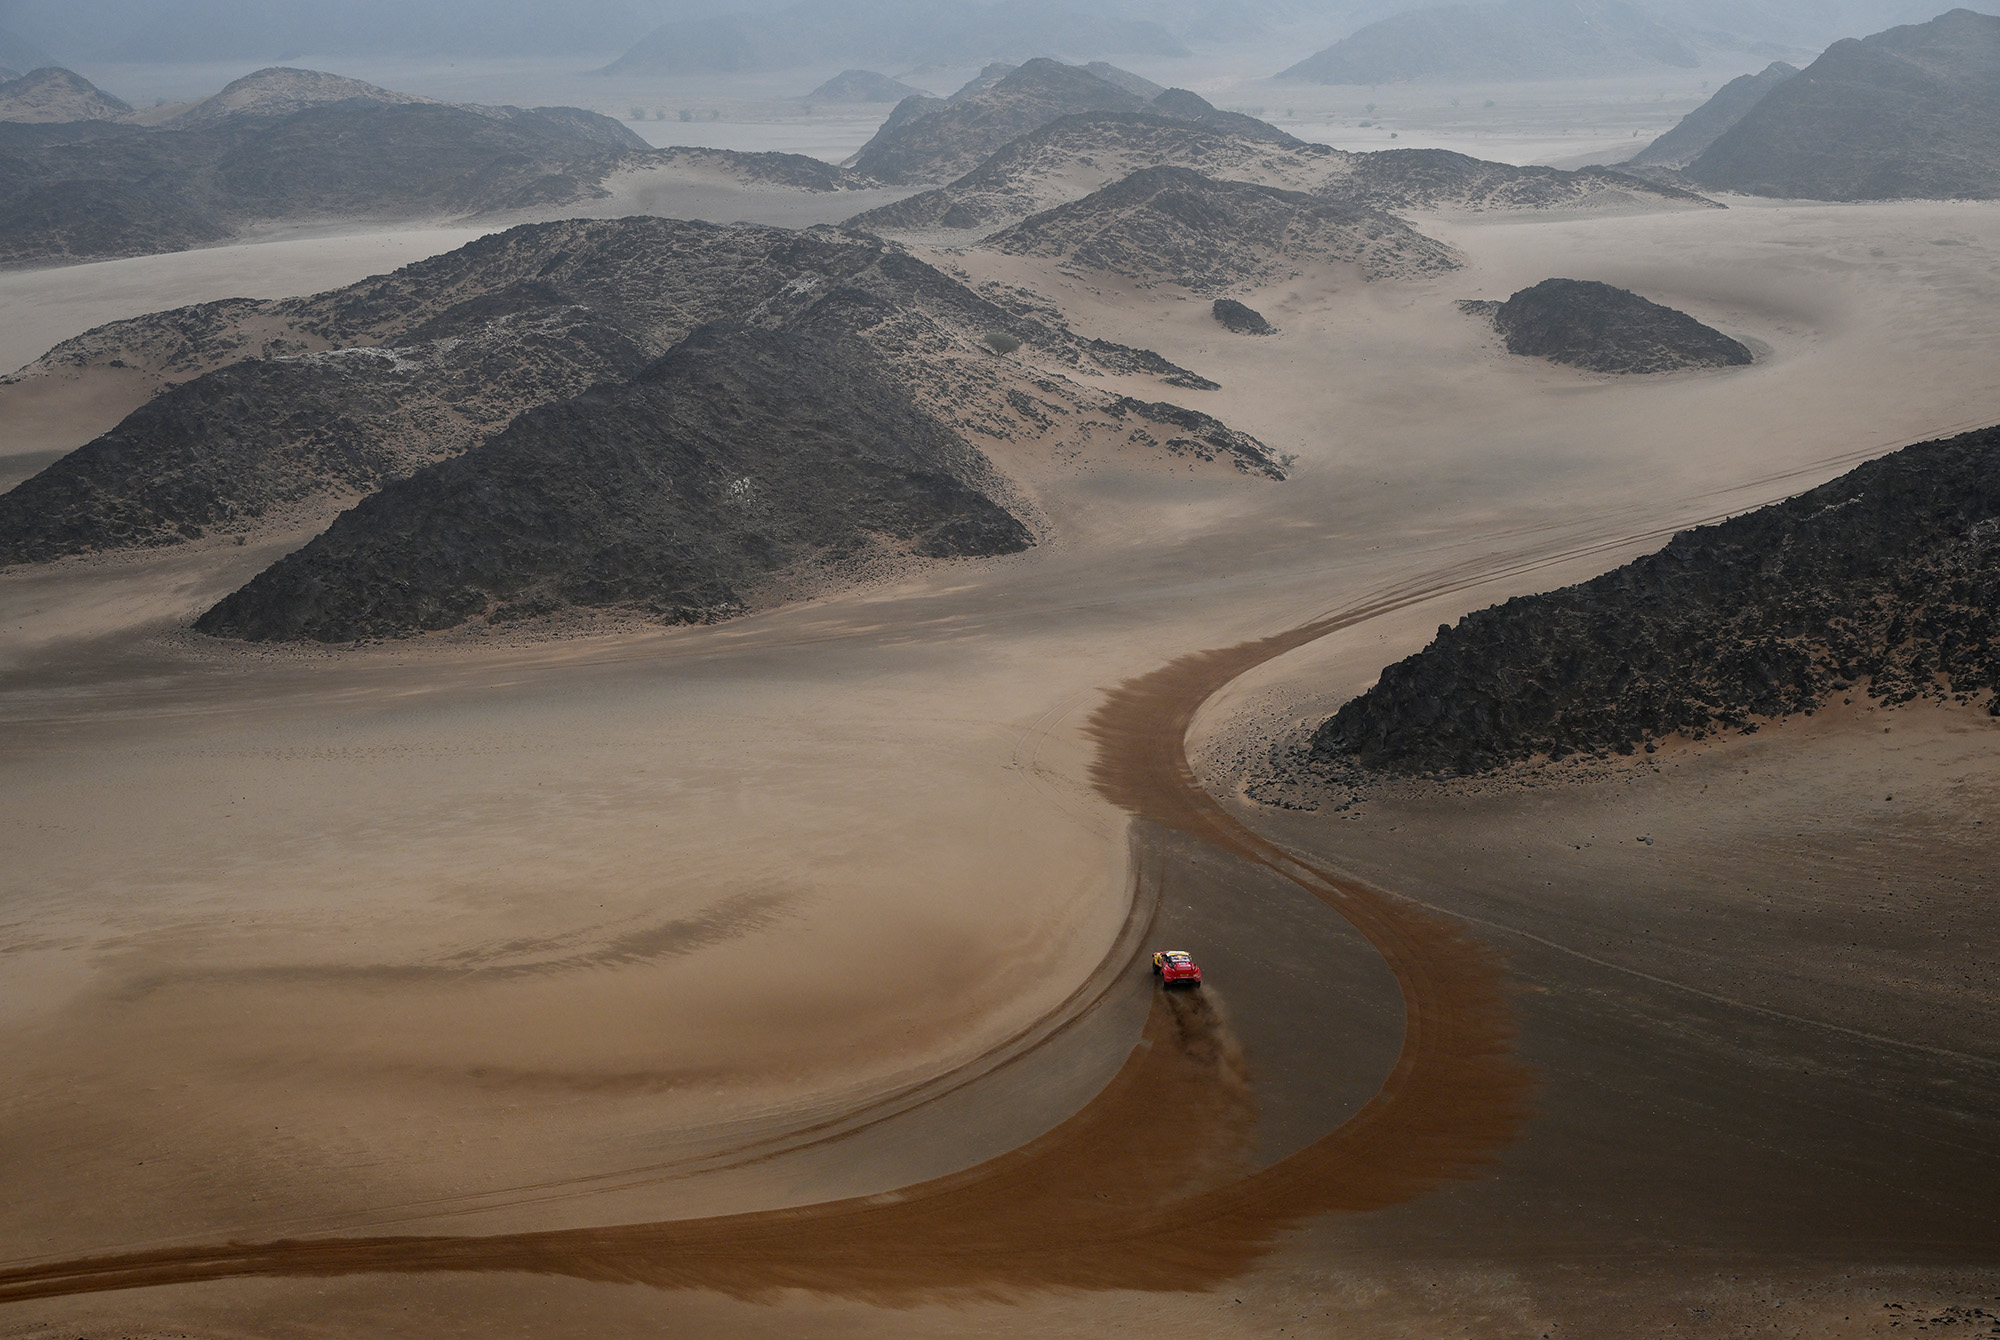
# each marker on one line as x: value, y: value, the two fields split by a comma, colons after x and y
x: 1515, y: 39
x: 1706, y: 124
x: 275, y: 152
x: 1911, y: 112
x: 944, y: 142
x: 1884, y: 582
x: 277, y: 413
x: 1591, y: 325
x: 281, y: 90
x: 1074, y: 155
x: 740, y: 456
x: 1173, y: 225
x: 1438, y: 179
x: 53, y: 95
x: 925, y: 140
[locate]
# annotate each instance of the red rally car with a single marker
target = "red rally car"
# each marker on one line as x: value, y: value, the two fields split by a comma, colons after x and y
x: 1174, y: 968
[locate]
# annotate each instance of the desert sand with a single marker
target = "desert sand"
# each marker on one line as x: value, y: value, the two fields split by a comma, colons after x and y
x: 520, y: 964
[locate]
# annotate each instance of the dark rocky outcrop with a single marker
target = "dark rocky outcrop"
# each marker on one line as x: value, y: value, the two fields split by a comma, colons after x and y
x: 1911, y: 112
x: 1192, y: 433
x: 1174, y: 225
x: 276, y: 151
x: 275, y: 413
x: 53, y: 95
x: 738, y: 456
x: 1594, y: 326
x: 246, y: 445
x: 1516, y: 39
x: 1243, y: 320
x: 1707, y: 123
x: 1885, y: 581
x: 863, y: 86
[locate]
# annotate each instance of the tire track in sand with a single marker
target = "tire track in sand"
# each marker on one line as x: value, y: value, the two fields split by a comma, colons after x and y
x: 1147, y: 1187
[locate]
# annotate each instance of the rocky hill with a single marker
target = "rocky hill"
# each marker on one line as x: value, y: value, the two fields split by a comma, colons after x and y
x: 282, y: 90
x: 1911, y: 112
x: 1591, y: 325
x: 1884, y: 582
x: 1707, y: 123
x: 1173, y: 225
x: 1074, y: 155
x: 1438, y: 179
x: 1512, y: 40
x: 53, y: 95
x: 1234, y: 316
x: 270, y: 152
x: 274, y: 414
x: 734, y: 461
x: 863, y: 86
x: 945, y: 142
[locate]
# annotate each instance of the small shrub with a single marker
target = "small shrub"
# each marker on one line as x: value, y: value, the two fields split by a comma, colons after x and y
x: 1000, y: 342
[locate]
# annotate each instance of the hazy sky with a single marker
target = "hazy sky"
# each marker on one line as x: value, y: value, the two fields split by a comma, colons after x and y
x: 197, y: 30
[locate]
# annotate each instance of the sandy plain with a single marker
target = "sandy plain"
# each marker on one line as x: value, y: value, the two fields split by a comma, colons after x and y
x: 516, y: 940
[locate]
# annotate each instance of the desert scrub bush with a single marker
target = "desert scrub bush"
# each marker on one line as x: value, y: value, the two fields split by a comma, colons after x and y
x: 1000, y: 342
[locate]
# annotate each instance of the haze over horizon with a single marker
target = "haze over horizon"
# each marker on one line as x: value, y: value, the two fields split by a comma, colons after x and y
x: 170, y: 31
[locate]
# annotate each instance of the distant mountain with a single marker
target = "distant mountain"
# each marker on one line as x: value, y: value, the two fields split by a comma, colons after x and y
x: 1512, y: 40
x: 1073, y: 155
x: 923, y: 141
x: 1174, y: 225
x: 280, y: 91
x: 1707, y: 123
x: 271, y: 149
x: 1911, y: 112
x: 863, y: 86
x: 1124, y: 79
x: 896, y: 32
x: 947, y: 141
x: 990, y: 74
x: 52, y: 95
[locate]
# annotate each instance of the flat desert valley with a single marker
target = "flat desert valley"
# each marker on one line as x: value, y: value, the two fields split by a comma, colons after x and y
x: 787, y: 975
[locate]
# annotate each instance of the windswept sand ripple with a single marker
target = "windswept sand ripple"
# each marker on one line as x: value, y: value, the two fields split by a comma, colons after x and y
x: 1148, y: 1187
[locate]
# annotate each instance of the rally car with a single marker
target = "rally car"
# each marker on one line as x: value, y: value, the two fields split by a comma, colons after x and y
x: 1174, y: 968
